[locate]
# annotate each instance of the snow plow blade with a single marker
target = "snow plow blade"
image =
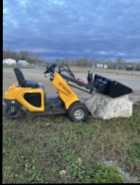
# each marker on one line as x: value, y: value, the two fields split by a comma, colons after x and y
x: 110, y: 87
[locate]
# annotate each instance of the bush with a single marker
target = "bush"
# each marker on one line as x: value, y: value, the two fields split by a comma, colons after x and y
x: 22, y: 55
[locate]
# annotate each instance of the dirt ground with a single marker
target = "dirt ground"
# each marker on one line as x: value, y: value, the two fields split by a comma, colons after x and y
x: 132, y: 79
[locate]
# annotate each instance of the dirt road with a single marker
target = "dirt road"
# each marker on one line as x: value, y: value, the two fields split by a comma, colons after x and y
x: 131, y: 79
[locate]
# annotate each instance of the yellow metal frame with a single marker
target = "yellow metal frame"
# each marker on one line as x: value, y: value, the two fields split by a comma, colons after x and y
x: 66, y: 94
x: 17, y: 94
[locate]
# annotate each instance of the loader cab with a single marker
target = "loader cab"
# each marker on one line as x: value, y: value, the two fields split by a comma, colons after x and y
x: 22, y: 81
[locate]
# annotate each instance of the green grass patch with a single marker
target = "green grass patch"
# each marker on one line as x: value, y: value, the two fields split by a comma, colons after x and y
x: 56, y: 150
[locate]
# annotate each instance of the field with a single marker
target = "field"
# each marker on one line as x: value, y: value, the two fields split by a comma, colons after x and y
x: 56, y: 150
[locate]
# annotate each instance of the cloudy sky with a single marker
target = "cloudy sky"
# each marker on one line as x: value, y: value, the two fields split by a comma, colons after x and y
x: 73, y: 28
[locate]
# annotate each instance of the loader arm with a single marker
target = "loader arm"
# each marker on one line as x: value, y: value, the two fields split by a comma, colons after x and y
x: 98, y: 84
x: 65, y: 92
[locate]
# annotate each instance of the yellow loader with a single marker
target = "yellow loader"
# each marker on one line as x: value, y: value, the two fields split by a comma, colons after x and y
x: 30, y: 97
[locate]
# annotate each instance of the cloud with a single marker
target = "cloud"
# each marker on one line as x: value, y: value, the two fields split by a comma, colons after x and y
x: 5, y: 11
x: 56, y: 2
x: 72, y: 25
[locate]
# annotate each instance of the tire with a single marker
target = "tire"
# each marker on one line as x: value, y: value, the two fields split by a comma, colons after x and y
x: 78, y: 112
x: 12, y: 110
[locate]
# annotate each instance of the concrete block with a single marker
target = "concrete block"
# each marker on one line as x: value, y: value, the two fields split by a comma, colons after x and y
x: 105, y: 107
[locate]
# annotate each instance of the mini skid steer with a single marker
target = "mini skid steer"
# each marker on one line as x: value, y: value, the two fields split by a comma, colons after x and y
x: 30, y: 97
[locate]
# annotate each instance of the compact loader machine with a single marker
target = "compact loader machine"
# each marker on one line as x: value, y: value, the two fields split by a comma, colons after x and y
x: 30, y: 97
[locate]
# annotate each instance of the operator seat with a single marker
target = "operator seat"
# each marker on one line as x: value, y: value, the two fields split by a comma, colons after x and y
x: 22, y: 81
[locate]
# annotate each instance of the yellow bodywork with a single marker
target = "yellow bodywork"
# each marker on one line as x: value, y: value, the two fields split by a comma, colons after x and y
x: 66, y: 94
x: 17, y: 93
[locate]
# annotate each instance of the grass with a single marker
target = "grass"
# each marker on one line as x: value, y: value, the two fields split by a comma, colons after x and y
x: 56, y: 150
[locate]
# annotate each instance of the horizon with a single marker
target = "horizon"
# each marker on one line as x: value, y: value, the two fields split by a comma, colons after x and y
x: 68, y: 59
x: 93, y: 29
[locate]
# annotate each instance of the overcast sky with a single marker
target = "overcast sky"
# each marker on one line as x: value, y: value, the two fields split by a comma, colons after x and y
x: 73, y: 28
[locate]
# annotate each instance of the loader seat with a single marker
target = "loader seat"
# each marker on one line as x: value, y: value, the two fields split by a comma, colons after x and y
x: 22, y: 81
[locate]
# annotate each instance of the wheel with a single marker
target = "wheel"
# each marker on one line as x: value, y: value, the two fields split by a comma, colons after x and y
x: 78, y: 112
x: 12, y: 110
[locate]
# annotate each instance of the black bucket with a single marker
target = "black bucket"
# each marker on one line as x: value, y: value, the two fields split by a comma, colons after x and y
x: 109, y: 87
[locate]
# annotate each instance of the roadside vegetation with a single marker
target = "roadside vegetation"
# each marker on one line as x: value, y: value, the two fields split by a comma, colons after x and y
x: 22, y: 55
x: 31, y: 58
x: 56, y: 150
